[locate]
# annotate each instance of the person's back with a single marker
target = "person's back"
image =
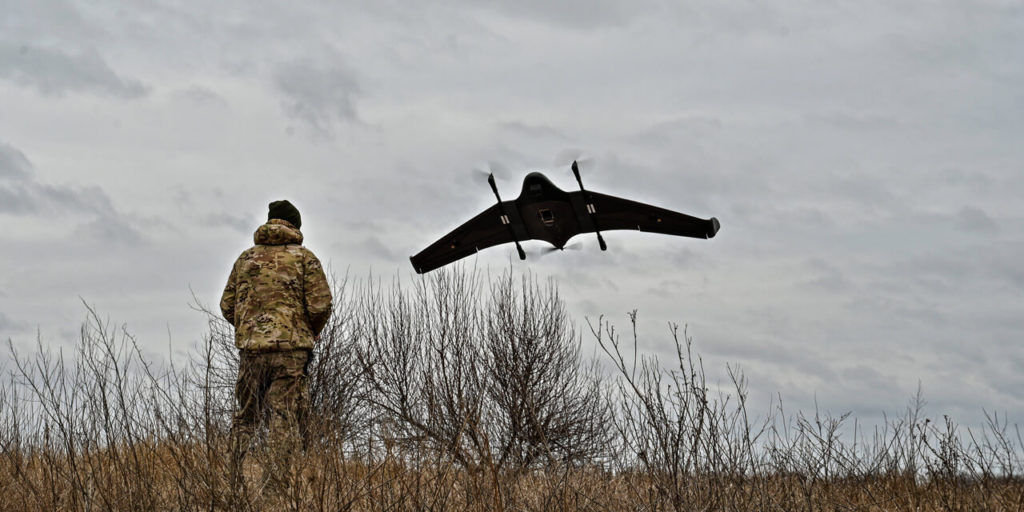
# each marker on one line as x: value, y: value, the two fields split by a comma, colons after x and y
x: 278, y: 299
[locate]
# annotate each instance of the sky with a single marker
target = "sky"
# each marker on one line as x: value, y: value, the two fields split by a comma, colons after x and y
x: 864, y: 159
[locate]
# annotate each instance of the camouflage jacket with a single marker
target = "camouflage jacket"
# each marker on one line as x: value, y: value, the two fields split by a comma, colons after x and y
x: 277, y: 296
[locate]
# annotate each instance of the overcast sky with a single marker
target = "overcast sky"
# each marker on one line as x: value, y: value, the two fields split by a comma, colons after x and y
x: 864, y: 158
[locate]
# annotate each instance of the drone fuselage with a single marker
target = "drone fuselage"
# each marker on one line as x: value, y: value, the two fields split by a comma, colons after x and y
x: 549, y: 213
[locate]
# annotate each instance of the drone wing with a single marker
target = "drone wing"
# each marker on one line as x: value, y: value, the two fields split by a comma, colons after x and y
x: 487, y: 229
x: 612, y: 212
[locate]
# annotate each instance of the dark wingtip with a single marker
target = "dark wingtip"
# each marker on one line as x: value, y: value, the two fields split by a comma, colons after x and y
x: 715, y: 225
x: 414, y: 266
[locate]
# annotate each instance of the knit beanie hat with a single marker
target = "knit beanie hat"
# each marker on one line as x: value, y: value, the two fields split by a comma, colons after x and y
x: 285, y: 211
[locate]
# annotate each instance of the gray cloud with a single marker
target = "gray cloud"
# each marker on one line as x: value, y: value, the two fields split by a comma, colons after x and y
x: 871, y: 194
x: 962, y: 179
x: 854, y: 121
x: 238, y: 223
x: 582, y: 14
x: 200, y: 95
x: 824, y: 275
x: 110, y: 231
x: 1004, y: 265
x: 319, y: 96
x: 377, y: 249
x: 960, y: 269
x: 27, y: 197
x: 54, y: 72
x: 668, y: 288
x: 975, y: 220
x: 198, y: 208
x: 8, y: 324
x: 32, y: 198
x: 13, y: 164
x: 539, y: 131
x: 765, y: 349
x: 24, y: 20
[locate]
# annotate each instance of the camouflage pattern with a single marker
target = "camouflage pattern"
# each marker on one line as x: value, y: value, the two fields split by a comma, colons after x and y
x: 274, y: 381
x: 277, y: 296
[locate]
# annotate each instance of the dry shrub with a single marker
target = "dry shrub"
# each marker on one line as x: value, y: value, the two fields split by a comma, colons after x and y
x: 466, y: 393
x: 493, y: 379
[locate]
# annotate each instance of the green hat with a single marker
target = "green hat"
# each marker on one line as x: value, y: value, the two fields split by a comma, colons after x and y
x: 285, y: 211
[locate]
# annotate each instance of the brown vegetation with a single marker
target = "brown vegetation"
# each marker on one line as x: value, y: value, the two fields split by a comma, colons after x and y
x: 461, y: 394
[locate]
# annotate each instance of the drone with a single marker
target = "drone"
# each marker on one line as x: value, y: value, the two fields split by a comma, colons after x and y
x: 545, y: 212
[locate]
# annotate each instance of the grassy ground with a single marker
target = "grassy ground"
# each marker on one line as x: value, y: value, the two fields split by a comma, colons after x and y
x: 172, y: 478
x: 463, y: 395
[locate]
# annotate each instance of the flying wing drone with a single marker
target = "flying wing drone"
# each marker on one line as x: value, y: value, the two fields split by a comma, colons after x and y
x: 545, y: 212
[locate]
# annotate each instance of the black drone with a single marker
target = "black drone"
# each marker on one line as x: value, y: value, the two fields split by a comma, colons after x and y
x: 545, y: 212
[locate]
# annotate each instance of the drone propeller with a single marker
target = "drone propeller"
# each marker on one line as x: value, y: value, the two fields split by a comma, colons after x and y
x: 583, y: 160
x: 544, y: 251
x: 491, y: 167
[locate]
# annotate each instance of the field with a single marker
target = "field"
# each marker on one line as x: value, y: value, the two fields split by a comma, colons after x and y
x: 465, y: 394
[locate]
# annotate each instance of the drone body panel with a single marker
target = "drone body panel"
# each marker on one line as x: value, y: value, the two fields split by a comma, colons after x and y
x: 547, y: 211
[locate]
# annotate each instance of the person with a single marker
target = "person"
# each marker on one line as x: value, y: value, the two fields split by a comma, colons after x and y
x: 278, y: 299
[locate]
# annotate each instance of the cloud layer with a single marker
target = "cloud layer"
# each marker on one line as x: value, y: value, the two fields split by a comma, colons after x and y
x: 53, y: 72
x: 864, y: 162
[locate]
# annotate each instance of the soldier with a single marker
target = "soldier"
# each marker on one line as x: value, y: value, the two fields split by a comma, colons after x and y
x: 278, y: 300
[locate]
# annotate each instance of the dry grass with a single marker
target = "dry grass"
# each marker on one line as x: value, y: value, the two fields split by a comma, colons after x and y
x: 463, y: 395
x: 324, y: 482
